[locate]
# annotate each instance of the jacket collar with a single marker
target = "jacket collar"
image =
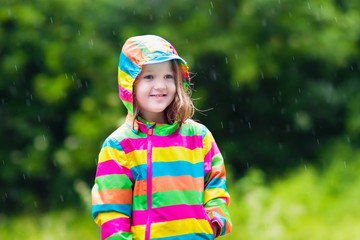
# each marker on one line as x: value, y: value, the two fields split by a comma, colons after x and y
x: 141, y: 125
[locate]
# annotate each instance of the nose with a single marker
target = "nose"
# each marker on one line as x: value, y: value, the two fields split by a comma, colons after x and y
x: 159, y: 83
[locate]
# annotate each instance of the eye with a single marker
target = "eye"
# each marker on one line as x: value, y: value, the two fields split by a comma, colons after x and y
x: 148, y: 77
x: 169, y: 76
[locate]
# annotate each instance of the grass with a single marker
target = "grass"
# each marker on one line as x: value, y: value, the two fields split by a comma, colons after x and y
x: 307, y: 204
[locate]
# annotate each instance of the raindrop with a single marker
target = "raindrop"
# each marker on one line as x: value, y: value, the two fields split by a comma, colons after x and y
x: 39, y: 118
x: 91, y: 43
x: 264, y: 23
x: 66, y: 76
x: 9, y: 12
x: 262, y: 75
x: 51, y: 20
x: 113, y: 33
x: 344, y: 164
x: 169, y: 14
x: 212, y: 5
x: 16, y: 67
x: 35, y: 204
x: 348, y: 139
x: 249, y: 124
x: 336, y: 19
x: 79, y: 32
x: 318, y: 141
x: 226, y: 60
x: 233, y: 107
x: 308, y: 4
x: 279, y: 2
x: 299, y: 89
x: 24, y: 176
x: 209, y: 11
x: 236, y: 56
x: 61, y: 198
x: 293, y: 58
x: 151, y: 17
x: 222, y: 125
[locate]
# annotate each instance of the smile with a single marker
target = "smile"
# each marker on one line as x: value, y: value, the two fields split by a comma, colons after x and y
x: 158, y: 95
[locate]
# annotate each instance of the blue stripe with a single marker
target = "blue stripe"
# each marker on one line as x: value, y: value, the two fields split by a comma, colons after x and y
x: 110, y: 142
x: 121, y: 208
x: 222, y: 219
x: 139, y: 172
x: 188, y: 236
x: 217, y: 183
x: 178, y: 168
x: 126, y: 65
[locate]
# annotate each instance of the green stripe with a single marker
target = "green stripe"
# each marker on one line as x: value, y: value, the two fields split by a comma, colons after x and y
x: 215, y: 202
x: 113, y: 181
x: 120, y: 235
x: 140, y: 202
x: 175, y: 197
x: 217, y: 160
x: 190, y: 129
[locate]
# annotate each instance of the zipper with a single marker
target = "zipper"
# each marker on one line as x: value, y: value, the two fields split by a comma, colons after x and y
x: 149, y: 183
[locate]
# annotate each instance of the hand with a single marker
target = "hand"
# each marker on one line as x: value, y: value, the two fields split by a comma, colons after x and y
x: 216, y: 229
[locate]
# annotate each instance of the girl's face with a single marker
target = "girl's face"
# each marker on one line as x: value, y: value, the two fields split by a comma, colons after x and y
x: 155, y: 89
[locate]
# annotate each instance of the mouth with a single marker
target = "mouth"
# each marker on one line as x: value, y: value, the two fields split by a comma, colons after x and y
x: 157, y: 95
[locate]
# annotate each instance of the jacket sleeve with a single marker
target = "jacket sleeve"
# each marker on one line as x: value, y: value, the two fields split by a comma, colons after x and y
x: 216, y: 196
x: 112, y: 192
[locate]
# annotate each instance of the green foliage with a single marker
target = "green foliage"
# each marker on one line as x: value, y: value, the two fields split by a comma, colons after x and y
x: 280, y: 76
x: 306, y: 204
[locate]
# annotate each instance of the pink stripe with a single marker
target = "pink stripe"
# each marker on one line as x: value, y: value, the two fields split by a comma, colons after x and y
x: 172, y: 140
x: 149, y: 187
x: 113, y: 226
x: 112, y: 167
x: 208, y: 158
x: 225, y: 200
x: 125, y: 94
x: 169, y: 213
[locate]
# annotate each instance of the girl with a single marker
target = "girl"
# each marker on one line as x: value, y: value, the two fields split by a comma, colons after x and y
x: 160, y: 175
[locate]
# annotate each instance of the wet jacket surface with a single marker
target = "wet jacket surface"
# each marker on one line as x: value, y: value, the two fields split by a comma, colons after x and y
x: 158, y: 181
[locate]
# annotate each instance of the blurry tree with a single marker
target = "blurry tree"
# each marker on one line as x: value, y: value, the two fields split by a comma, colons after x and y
x: 281, y: 77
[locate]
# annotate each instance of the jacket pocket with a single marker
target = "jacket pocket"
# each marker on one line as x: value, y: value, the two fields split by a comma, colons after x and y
x: 206, y: 216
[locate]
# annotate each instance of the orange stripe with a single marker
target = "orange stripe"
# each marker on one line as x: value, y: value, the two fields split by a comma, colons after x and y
x: 218, y: 172
x: 112, y: 196
x: 134, y: 53
x: 181, y: 183
x: 168, y: 183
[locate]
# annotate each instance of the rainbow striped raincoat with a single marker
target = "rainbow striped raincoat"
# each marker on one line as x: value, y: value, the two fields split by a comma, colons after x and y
x: 162, y: 182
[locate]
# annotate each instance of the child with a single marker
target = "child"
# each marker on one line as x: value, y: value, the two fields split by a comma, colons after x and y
x: 160, y: 175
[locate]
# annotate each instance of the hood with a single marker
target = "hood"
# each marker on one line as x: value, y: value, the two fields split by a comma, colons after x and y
x: 138, y: 51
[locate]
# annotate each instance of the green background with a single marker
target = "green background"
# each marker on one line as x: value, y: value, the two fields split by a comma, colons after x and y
x: 277, y: 83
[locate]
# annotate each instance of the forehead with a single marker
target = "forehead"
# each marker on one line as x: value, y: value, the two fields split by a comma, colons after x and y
x: 164, y: 66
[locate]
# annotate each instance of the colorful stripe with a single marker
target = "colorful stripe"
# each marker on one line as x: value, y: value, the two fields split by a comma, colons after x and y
x: 170, y: 213
x: 189, y: 142
x: 114, y: 226
x: 158, y: 181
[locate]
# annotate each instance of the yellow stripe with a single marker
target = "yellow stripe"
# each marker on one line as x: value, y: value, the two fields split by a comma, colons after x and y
x: 125, y: 80
x: 108, y: 153
x: 179, y: 227
x: 104, y: 217
x: 136, y: 158
x: 210, y: 194
x: 138, y: 231
x: 170, y: 154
